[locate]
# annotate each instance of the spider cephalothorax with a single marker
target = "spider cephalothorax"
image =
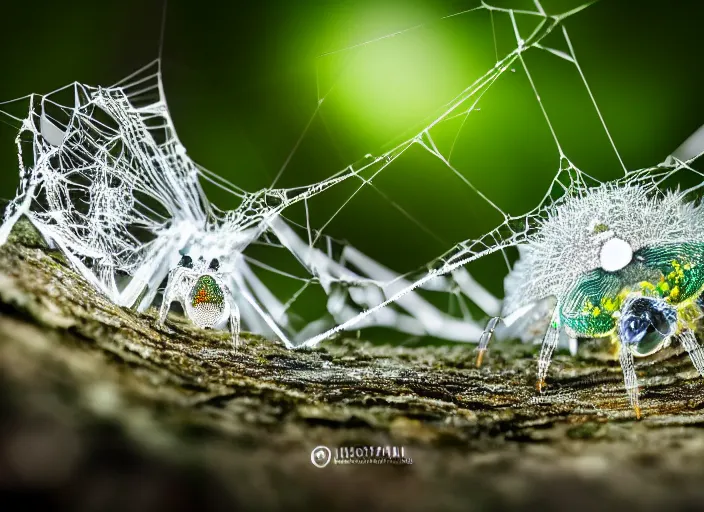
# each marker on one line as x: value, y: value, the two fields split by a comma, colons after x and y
x: 203, y: 294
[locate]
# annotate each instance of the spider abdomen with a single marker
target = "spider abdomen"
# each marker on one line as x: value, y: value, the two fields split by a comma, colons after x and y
x: 206, y: 305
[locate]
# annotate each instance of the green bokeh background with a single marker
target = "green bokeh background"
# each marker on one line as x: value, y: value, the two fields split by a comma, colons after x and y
x: 242, y: 82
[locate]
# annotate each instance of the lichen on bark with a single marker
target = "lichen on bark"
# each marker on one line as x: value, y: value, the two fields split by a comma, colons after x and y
x: 93, y: 393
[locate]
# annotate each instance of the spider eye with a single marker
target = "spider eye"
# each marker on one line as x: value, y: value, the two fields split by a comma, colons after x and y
x: 214, y: 264
x: 646, y: 324
x: 615, y: 254
x: 186, y: 261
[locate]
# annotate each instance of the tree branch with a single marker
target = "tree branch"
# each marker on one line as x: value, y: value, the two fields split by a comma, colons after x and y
x: 93, y: 393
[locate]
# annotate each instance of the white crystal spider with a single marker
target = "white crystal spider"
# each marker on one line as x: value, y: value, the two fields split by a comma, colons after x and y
x: 204, y: 296
x: 622, y: 262
x: 105, y: 179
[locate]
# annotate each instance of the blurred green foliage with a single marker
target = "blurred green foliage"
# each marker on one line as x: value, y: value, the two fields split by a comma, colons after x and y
x: 243, y: 81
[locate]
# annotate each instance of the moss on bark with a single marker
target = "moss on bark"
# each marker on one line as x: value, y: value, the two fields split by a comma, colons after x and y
x: 99, y: 406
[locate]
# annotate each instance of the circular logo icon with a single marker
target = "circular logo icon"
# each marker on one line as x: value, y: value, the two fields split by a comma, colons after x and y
x: 320, y: 456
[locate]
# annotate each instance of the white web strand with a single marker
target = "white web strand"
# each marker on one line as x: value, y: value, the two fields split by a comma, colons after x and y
x: 110, y: 185
x: 569, y: 181
x: 110, y: 165
x: 104, y: 177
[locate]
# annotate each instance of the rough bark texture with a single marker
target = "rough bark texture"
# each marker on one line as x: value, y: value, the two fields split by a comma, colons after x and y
x: 101, y: 410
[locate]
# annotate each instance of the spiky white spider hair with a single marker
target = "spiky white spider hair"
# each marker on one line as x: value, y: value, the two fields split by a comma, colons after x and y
x: 602, y: 227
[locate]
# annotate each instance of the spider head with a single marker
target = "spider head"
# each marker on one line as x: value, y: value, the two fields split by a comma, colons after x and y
x: 646, y: 324
x: 198, y: 266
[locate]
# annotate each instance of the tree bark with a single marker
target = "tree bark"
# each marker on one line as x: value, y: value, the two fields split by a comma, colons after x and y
x: 100, y: 409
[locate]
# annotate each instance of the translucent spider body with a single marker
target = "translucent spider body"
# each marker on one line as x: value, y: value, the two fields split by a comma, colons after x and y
x: 621, y: 264
x: 204, y: 296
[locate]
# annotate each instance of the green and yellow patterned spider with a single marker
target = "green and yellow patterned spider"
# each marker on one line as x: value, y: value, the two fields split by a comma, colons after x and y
x: 622, y: 264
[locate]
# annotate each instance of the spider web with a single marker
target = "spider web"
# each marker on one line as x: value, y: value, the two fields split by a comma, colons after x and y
x: 106, y: 179
x: 549, y: 37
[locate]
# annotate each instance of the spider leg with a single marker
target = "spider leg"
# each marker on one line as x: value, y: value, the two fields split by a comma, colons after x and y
x: 22, y: 209
x: 262, y: 293
x: 152, y: 289
x: 234, y: 323
x: 491, y: 326
x: 56, y: 243
x: 7, y: 226
x: 372, y: 283
x: 476, y: 292
x: 629, y: 377
x: 130, y: 296
x: 157, y: 265
x: 486, y: 338
x: 234, y: 320
x: 694, y: 349
x: 238, y: 281
x: 85, y: 272
x: 550, y: 341
x: 420, y: 312
x: 171, y: 293
x: 249, y: 316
